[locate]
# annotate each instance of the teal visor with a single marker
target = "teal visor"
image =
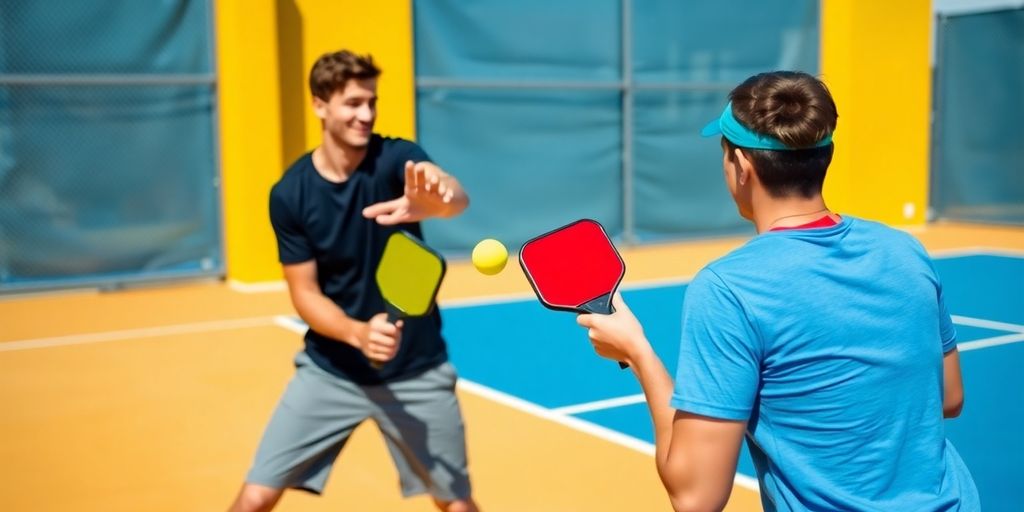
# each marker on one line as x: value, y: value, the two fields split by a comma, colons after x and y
x: 727, y: 126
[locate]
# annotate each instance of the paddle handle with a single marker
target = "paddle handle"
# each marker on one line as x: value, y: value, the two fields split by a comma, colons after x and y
x: 622, y: 364
x: 602, y: 306
x: 393, y: 316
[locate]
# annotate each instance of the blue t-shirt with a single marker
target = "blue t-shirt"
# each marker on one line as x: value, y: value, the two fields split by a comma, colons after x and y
x: 829, y: 343
x: 315, y: 219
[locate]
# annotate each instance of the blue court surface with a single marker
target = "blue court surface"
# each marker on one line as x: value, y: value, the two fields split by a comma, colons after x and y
x: 542, y: 357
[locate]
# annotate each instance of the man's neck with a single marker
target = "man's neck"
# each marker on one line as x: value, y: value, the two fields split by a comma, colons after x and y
x: 770, y: 213
x: 335, y: 160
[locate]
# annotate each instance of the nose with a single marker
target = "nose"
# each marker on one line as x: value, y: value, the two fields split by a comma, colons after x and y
x: 366, y: 113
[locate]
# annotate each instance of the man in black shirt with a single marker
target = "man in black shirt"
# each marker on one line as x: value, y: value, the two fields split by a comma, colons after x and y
x: 332, y: 213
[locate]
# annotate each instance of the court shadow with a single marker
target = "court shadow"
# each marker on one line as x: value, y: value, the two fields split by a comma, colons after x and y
x: 414, y: 446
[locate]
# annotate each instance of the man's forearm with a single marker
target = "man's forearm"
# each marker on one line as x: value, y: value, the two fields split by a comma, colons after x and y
x: 326, y: 318
x: 657, y: 386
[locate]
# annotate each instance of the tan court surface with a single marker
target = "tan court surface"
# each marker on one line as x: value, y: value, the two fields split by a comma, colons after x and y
x: 154, y: 400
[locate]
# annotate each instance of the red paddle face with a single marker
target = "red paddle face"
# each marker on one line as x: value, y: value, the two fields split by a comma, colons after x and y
x: 574, y: 267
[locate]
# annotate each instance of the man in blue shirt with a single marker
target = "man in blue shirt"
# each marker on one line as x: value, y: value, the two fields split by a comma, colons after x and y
x: 332, y: 212
x: 824, y: 340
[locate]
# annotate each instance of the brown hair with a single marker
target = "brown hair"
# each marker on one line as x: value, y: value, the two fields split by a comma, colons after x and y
x: 332, y: 70
x: 798, y: 110
x: 793, y: 107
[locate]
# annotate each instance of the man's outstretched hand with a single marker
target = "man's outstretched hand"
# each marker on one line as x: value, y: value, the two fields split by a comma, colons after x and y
x: 429, y: 192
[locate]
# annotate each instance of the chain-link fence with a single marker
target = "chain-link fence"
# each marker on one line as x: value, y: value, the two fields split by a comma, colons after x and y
x: 108, y: 152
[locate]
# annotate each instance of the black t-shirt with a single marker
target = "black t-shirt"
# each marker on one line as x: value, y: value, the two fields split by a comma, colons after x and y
x: 315, y: 219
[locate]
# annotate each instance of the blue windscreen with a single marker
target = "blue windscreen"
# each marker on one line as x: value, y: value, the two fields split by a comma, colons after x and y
x: 555, y: 111
x: 978, y: 141
x: 108, y: 158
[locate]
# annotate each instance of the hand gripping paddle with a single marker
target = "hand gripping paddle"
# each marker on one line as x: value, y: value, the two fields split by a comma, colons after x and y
x: 408, y: 275
x: 574, y: 268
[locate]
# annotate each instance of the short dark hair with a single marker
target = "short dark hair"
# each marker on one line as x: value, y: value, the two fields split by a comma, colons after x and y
x: 798, y: 110
x: 332, y: 70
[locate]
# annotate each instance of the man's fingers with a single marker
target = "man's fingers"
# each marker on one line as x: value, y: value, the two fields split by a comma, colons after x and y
x: 388, y: 213
x: 382, y: 208
x: 585, y: 320
x: 389, y: 220
x: 410, y: 177
x: 420, y: 179
x: 387, y: 328
x: 382, y: 341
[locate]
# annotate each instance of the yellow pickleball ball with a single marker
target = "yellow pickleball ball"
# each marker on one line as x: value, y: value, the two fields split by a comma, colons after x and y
x: 489, y: 256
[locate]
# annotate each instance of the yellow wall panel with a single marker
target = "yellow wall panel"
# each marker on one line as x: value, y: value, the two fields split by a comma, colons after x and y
x: 876, y: 60
x: 250, y: 134
x: 264, y: 52
x: 382, y: 28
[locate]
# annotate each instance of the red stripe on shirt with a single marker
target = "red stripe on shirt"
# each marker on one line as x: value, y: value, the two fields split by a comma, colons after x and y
x: 824, y: 222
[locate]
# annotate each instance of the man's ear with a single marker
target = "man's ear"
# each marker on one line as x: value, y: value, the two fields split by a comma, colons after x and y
x: 746, y: 168
x: 320, y: 108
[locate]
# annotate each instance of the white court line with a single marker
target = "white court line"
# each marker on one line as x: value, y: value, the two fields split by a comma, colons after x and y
x: 260, y: 287
x: 977, y: 251
x: 990, y: 342
x: 127, y: 334
x: 291, y: 323
x: 576, y: 424
x: 601, y: 404
x: 987, y: 324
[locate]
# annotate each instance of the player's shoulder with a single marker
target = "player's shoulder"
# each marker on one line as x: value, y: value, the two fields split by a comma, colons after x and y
x: 388, y: 140
x: 397, y: 146
x: 292, y: 177
x: 746, y: 256
x: 895, y: 238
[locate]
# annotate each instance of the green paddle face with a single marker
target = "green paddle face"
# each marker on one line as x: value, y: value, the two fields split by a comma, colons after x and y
x: 409, y: 275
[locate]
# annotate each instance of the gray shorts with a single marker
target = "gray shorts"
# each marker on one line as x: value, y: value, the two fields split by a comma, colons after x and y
x: 419, y: 417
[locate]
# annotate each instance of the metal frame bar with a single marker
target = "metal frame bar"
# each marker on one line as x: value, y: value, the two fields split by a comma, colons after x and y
x: 218, y: 172
x: 97, y: 79
x: 931, y: 212
x: 443, y: 83
x: 628, y: 221
x: 447, y: 83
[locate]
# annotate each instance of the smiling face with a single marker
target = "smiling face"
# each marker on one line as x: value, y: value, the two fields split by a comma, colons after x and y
x: 349, y: 114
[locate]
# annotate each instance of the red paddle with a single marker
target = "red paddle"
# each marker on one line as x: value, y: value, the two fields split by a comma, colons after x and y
x: 574, y: 268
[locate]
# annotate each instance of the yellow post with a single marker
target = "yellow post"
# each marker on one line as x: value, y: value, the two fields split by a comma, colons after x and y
x: 875, y: 58
x: 382, y: 28
x: 250, y: 134
x: 264, y: 52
